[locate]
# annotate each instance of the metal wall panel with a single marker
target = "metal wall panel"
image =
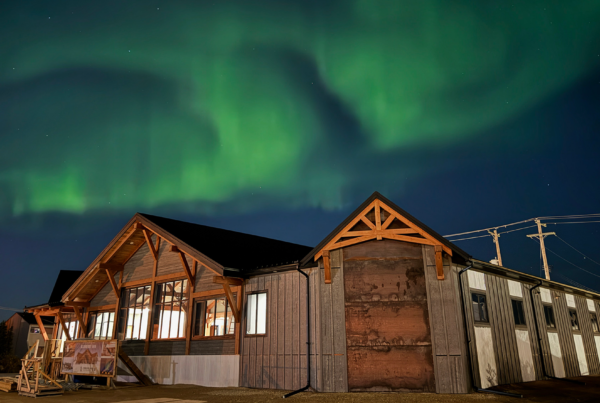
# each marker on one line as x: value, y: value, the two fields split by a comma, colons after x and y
x: 587, y: 335
x: 565, y: 334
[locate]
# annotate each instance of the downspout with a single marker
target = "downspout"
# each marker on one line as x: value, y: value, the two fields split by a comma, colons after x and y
x: 537, y: 333
x: 462, y: 302
x: 307, y: 336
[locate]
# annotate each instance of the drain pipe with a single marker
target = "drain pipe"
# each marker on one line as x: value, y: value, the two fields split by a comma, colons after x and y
x: 307, y: 337
x: 537, y: 333
x: 473, y: 385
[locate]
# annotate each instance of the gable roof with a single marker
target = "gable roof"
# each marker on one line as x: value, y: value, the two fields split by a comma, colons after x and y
x: 231, y: 249
x: 216, y: 248
x: 378, y: 196
x: 30, y: 318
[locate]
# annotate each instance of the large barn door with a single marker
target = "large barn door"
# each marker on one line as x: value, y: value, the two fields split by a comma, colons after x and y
x: 387, y: 321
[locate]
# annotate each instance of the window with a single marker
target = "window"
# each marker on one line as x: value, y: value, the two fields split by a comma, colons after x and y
x: 256, y: 318
x: 480, y: 313
x: 170, y: 310
x: 594, y: 320
x: 213, y: 317
x: 134, y: 313
x: 518, y: 313
x: 574, y: 320
x: 100, y: 325
x: 72, y: 325
x: 35, y: 330
x: 549, y: 315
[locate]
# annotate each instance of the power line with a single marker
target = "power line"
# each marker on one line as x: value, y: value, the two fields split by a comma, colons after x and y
x: 11, y: 309
x: 578, y: 250
x: 473, y: 237
x: 573, y: 264
x: 575, y: 283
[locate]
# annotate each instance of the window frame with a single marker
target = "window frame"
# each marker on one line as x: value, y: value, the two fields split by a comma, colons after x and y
x: 91, y: 325
x: 123, y: 319
x: 519, y: 302
x: 245, y: 318
x: 487, y: 312
x: 202, y: 300
x: 594, y: 318
x: 551, y: 307
x: 154, y: 306
x: 574, y: 311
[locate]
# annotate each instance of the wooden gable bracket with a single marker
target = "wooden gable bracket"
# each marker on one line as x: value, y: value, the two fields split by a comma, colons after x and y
x: 41, y: 325
x: 439, y: 262
x: 110, y: 272
x: 82, y: 324
x: 327, y: 267
x: 380, y: 230
x: 184, y: 263
x: 64, y: 327
x: 148, y: 236
x: 226, y: 282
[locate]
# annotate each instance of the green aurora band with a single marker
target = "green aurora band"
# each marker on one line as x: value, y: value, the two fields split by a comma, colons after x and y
x: 116, y: 105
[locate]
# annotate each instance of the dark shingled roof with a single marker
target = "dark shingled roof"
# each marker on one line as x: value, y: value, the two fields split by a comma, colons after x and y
x: 29, y: 318
x: 65, y: 279
x: 232, y: 249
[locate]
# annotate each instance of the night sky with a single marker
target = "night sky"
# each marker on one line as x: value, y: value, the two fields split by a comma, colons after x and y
x: 278, y: 118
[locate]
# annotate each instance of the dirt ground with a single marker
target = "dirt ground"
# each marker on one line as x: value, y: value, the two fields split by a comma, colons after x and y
x: 541, y: 391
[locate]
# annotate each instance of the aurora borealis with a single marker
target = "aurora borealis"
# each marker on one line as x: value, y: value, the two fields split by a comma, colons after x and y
x: 213, y: 108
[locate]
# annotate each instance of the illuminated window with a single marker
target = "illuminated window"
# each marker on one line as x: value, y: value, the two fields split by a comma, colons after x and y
x: 100, y: 325
x: 480, y: 313
x: 213, y: 317
x: 518, y: 313
x: 256, y: 318
x: 134, y: 313
x: 170, y: 308
x: 72, y: 325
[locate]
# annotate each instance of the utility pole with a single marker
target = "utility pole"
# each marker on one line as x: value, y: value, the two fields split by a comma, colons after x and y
x: 496, y: 236
x: 541, y: 237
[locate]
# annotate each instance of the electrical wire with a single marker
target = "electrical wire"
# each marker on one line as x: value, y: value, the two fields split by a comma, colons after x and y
x: 11, y: 309
x: 577, y: 250
x: 572, y: 264
x: 575, y: 283
x: 473, y: 237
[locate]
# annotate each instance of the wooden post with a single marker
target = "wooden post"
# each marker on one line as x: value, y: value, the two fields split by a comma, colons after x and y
x: 62, y: 324
x: 152, y: 288
x: 41, y: 325
x: 439, y: 262
x: 238, y: 324
x: 327, y: 267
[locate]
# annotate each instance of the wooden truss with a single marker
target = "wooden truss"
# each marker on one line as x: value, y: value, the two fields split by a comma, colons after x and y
x: 379, y: 221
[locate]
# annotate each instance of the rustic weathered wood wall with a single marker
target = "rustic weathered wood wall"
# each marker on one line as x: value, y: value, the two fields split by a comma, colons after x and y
x: 565, y: 334
x: 447, y: 326
x: 387, y: 320
x: 278, y: 359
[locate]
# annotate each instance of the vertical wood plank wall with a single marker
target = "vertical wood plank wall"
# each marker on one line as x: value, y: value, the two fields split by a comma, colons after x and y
x: 503, y: 332
x: 278, y: 359
x: 447, y: 329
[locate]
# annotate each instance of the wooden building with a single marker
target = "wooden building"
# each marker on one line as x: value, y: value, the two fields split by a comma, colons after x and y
x: 26, y: 332
x: 383, y: 303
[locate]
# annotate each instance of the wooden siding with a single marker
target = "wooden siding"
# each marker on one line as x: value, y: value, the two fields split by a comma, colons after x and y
x: 447, y: 326
x: 141, y: 264
x: 169, y: 262
x: 565, y: 334
x: 587, y: 333
x: 387, y: 322
x: 503, y: 330
x: 212, y: 347
x: 106, y: 296
x: 277, y: 360
x: 167, y: 347
x: 204, y: 279
x: 133, y: 347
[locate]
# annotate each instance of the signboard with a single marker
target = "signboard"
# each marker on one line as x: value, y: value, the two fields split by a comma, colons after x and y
x: 89, y: 357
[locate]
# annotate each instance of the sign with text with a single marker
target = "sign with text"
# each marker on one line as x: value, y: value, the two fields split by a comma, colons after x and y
x: 89, y: 357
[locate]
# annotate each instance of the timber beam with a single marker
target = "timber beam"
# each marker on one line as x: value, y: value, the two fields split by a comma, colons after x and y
x: 78, y: 304
x: 64, y: 327
x: 184, y: 263
x: 148, y: 237
x: 110, y: 266
x: 227, y: 280
x: 113, y: 283
x: 327, y: 266
x: 439, y: 262
x: 232, y: 303
x: 82, y: 324
x: 41, y: 325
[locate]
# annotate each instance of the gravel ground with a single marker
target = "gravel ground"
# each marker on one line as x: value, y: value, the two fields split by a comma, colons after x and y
x: 542, y: 391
